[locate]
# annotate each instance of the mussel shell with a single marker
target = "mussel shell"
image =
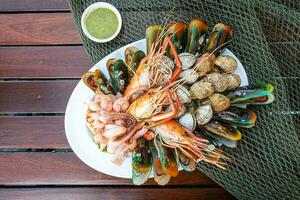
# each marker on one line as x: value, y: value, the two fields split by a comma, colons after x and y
x: 188, y: 120
x: 152, y: 35
x: 128, y: 54
x: 119, y: 74
x: 220, y: 35
x: 223, y: 130
x: 159, y: 175
x: 221, y: 140
x: 183, y: 94
x: 178, y: 33
x: 226, y: 63
x: 197, y: 31
x: 237, y: 116
x: 187, y: 60
x: 96, y: 80
x: 141, y: 162
x: 133, y: 57
x: 203, y: 114
x: 219, y: 102
x: 189, y: 75
x: 201, y: 90
x: 185, y: 162
x: 168, y: 159
x: 205, y: 64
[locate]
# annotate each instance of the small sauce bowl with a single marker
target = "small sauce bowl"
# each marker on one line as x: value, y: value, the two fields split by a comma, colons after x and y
x: 94, y: 7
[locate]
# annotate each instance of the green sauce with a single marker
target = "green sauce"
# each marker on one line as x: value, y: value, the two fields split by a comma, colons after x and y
x: 102, y: 23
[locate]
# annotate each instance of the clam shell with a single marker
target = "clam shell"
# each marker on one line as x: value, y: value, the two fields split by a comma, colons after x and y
x: 189, y: 75
x: 218, y: 80
x: 233, y: 81
x: 179, y: 114
x: 187, y: 60
x: 201, y: 90
x: 205, y: 64
x: 203, y: 114
x: 226, y: 63
x: 188, y: 120
x: 219, y: 102
x: 183, y: 94
x: 166, y: 62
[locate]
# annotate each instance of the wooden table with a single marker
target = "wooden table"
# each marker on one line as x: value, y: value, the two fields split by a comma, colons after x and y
x: 41, y: 61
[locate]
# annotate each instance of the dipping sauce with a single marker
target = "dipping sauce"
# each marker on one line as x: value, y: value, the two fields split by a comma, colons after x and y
x: 102, y: 23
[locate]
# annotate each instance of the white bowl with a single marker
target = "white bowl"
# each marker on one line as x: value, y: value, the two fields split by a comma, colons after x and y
x: 90, y: 9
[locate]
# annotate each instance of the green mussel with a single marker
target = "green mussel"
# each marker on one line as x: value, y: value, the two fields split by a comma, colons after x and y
x: 197, y: 31
x: 153, y: 35
x: 118, y: 73
x: 185, y: 162
x: 237, y: 116
x: 178, y: 33
x: 96, y: 80
x: 133, y: 57
x: 141, y: 162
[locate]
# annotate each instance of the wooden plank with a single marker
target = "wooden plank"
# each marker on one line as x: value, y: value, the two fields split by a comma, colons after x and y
x: 47, y: 96
x: 43, y: 62
x: 114, y: 193
x: 65, y: 168
x: 33, y: 5
x: 32, y: 132
x: 38, y: 29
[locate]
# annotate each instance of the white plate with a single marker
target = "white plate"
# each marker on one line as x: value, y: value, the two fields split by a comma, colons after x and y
x: 78, y: 135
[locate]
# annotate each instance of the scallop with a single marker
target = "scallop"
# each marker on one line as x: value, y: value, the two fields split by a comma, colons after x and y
x: 205, y: 64
x: 189, y: 75
x: 233, y: 81
x: 183, y: 94
x: 201, y: 90
x: 188, y: 120
x: 226, y: 63
x: 187, y: 60
x: 219, y: 102
x: 203, y: 114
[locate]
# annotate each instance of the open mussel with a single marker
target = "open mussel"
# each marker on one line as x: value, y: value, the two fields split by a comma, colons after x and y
x: 133, y: 57
x: 223, y: 130
x: 259, y: 96
x: 221, y: 34
x: 167, y: 158
x: 119, y: 74
x: 221, y: 140
x: 197, y: 31
x: 141, y: 162
x: 178, y: 33
x: 96, y: 80
x: 241, y: 117
x: 160, y: 177
x: 185, y: 162
x: 153, y: 34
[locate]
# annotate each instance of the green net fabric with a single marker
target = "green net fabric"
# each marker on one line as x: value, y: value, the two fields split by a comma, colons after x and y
x: 267, y: 41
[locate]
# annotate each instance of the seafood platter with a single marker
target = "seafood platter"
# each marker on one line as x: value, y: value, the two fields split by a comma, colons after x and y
x: 172, y: 101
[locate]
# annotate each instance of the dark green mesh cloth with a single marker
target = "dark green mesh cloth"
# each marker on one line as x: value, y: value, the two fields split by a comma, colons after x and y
x: 267, y: 41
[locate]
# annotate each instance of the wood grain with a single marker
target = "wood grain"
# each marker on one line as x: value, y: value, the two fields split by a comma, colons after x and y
x: 38, y: 96
x: 43, y: 62
x: 135, y: 193
x: 32, y: 132
x: 38, y: 29
x: 65, y: 168
x: 33, y: 5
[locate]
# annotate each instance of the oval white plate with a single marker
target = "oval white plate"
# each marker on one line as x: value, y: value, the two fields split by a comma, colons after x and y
x: 78, y: 135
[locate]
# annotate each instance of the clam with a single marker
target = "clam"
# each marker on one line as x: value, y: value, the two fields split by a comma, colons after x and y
x: 226, y: 63
x: 205, y: 64
x: 188, y: 120
x: 159, y: 175
x: 141, y: 162
x: 237, y: 116
x: 201, y: 90
x: 219, y: 102
x: 218, y: 80
x: 167, y: 63
x: 183, y: 94
x: 180, y: 113
x: 233, y: 81
x: 187, y: 60
x: 203, y: 114
x: 189, y: 75
x: 223, y: 130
